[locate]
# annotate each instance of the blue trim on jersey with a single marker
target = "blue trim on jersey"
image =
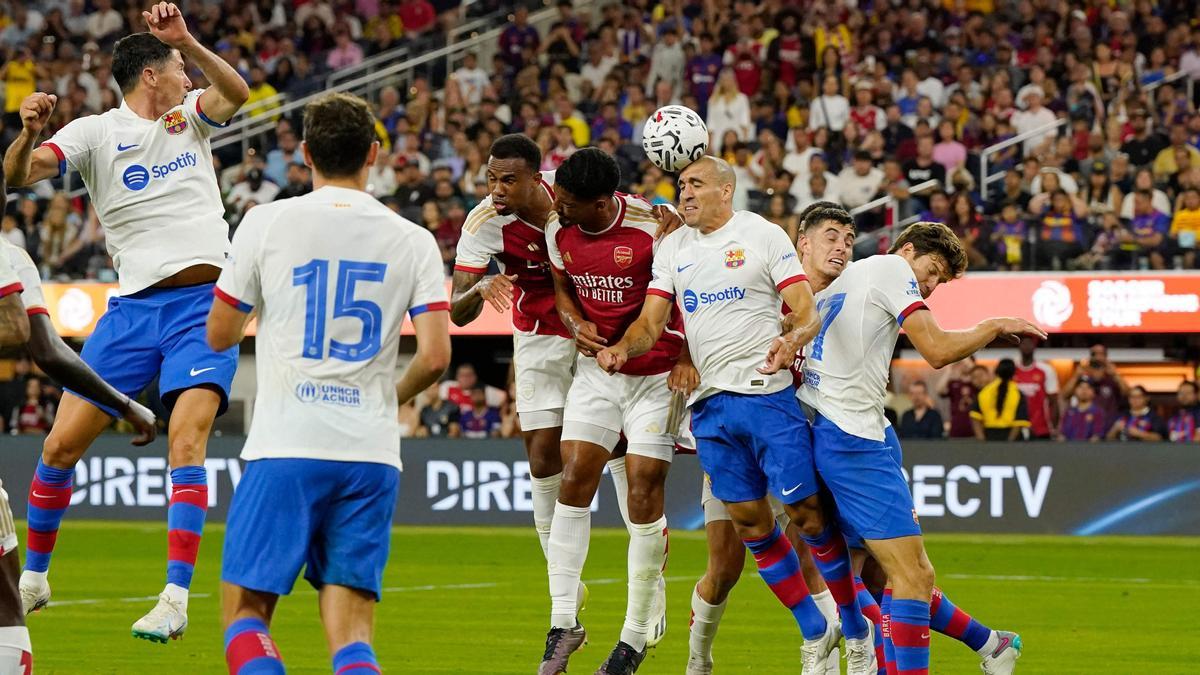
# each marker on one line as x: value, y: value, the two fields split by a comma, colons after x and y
x: 428, y: 307
x: 207, y: 119
x: 232, y: 301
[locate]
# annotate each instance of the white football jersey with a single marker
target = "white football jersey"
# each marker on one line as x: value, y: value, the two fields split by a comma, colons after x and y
x: 728, y: 285
x: 331, y: 275
x: 846, y: 367
x: 154, y: 188
x: 24, y: 275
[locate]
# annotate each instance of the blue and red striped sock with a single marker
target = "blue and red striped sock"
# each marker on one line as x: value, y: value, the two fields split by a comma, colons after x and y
x: 249, y: 649
x: 872, y: 612
x: 185, y: 522
x: 356, y: 658
x: 948, y: 619
x: 889, y: 649
x: 779, y: 566
x: 49, y: 497
x: 910, y: 636
x: 833, y: 561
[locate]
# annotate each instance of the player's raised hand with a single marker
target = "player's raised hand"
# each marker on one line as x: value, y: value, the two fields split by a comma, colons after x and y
x: 142, y: 420
x: 587, y: 338
x: 612, y: 359
x: 36, y: 110
x: 1014, y: 328
x: 668, y: 219
x: 166, y: 23
x: 781, y: 355
x: 683, y: 379
x: 497, y: 290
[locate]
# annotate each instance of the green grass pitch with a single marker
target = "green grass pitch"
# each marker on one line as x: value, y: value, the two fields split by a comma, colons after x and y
x: 473, y: 600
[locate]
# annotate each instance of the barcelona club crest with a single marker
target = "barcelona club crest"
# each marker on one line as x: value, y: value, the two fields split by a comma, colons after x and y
x: 623, y: 256
x: 174, y: 122
x: 735, y: 258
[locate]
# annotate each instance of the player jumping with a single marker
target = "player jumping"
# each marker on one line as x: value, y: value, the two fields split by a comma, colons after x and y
x: 729, y: 271
x: 601, y: 252
x: 331, y: 275
x: 845, y: 377
x: 148, y: 168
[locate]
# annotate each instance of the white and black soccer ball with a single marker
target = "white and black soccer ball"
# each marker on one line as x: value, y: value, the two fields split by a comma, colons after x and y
x: 674, y: 136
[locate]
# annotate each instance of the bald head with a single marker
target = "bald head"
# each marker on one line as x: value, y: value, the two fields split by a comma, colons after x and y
x: 706, y: 193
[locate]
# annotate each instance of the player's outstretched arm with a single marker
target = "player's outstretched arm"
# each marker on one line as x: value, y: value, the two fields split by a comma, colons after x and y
x: 469, y: 291
x: 24, y: 163
x: 432, y: 357
x: 639, y: 337
x: 943, y: 347
x: 587, y: 339
x: 61, y: 362
x: 228, y: 91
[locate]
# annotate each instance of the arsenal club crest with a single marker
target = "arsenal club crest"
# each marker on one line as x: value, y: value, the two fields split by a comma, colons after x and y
x: 735, y: 258
x: 623, y: 256
x: 174, y: 122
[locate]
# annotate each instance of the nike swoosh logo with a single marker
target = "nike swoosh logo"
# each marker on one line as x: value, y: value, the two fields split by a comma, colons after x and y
x: 123, y: 148
x: 788, y: 492
x: 195, y: 372
x: 680, y: 269
x: 1001, y: 647
x: 924, y: 636
x: 179, y: 492
x: 43, y: 496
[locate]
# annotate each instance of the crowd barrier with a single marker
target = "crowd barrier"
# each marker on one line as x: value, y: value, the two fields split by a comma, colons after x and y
x: 1033, y: 488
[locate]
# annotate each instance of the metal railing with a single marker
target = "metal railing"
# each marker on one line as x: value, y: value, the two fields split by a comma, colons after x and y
x: 870, y: 240
x: 1189, y: 86
x: 987, y: 178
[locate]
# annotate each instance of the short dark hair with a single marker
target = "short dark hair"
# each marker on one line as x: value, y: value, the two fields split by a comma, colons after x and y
x: 518, y: 146
x: 132, y: 54
x: 937, y: 239
x: 339, y: 130
x: 818, y: 212
x: 1190, y: 383
x: 589, y: 173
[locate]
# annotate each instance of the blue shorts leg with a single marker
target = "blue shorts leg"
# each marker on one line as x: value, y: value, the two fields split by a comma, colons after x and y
x: 273, y: 518
x: 353, y: 540
x: 782, y: 440
x: 187, y: 360
x: 733, y: 470
x: 866, y: 481
x: 123, y: 350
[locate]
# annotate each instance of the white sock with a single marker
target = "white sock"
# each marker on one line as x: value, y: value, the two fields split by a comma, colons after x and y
x: 826, y: 604
x: 616, y: 468
x: 706, y: 619
x: 177, y: 594
x: 988, y: 647
x: 14, y: 645
x: 545, y: 494
x: 647, y: 554
x: 566, y: 552
x: 34, y: 576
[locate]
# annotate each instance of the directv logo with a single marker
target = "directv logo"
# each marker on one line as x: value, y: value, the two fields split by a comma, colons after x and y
x: 136, y: 177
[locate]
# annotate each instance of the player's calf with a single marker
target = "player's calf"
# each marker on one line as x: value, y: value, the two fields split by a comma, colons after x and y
x: 249, y: 649
x: 647, y: 543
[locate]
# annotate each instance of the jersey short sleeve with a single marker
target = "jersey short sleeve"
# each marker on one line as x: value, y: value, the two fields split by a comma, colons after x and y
x: 194, y: 112
x: 474, y: 250
x: 29, y: 280
x: 662, y: 283
x: 240, y: 285
x: 1051, y: 383
x: 894, y: 287
x: 783, y: 263
x: 73, y: 144
x: 429, y: 286
x: 552, y: 229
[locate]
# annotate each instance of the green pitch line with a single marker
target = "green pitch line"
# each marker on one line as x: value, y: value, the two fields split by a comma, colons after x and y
x: 473, y: 600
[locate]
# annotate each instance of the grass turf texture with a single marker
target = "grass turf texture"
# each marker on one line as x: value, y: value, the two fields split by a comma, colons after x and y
x: 473, y: 600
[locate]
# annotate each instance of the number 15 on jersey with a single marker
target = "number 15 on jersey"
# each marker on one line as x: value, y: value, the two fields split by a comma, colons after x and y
x: 314, y: 276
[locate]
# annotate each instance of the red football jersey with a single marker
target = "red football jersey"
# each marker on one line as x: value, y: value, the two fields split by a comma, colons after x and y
x: 1037, y: 383
x: 518, y: 248
x: 611, y: 271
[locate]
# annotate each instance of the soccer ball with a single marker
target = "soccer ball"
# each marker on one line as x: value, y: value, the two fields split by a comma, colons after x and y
x: 674, y: 137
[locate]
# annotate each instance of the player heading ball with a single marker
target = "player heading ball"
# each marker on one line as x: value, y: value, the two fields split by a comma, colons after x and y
x: 331, y: 275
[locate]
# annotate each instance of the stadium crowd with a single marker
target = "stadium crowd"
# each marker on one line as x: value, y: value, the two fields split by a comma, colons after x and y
x: 808, y: 100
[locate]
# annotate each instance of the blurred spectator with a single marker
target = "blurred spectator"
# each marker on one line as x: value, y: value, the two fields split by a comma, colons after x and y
x: 264, y: 99
x: 438, y: 417
x: 1146, y: 237
x: 922, y: 420
x: 830, y: 110
x: 1143, y: 179
x: 1083, y: 420
x: 33, y: 415
x: 417, y: 16
x: 1061, y: 234
x: 11, y: 231
x: 1185, y: 226
x: 283, y: 156
x: 253, y: 189
x: 1038, y: 382
x: 481, y: 420
x: 1165, y: 163
x: 728, y: 110
x: 960, y: 385
x: 1141, y: 423
x: 409, y: 418
x: 104, y: 22
x: 777, y: 212
x: 860, y: 181
x: 20, y: 75
x: 1008, y: 238
x: 298, y: 182
x: 1110, y: 387
x: 345, y: 53
x: 458, y: 390
x: 1184, y: 425
x: 969, y: 226
x: 1000, y: 412
x: 668, y: 63
x: 472, y: 81
x: 518, y: 36
x: 948, y: 151
x: 701, y: 72
x: 1145, y: 145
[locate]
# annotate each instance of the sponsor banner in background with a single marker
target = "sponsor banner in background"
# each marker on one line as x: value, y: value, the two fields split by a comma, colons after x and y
x: 1080, y: 489
x: 1135, y: 302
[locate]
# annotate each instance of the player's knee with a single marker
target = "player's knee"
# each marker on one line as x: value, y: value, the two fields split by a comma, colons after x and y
x: 60, y: 452
x: 917, y: 578
x: 645, y: 501
x: 186, y: 451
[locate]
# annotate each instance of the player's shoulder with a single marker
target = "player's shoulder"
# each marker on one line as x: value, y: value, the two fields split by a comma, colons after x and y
x: 885, y: 265
x: 483, y: 217
x: 17, y: 255
x: 639, y: 213
x: 548, y: 180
